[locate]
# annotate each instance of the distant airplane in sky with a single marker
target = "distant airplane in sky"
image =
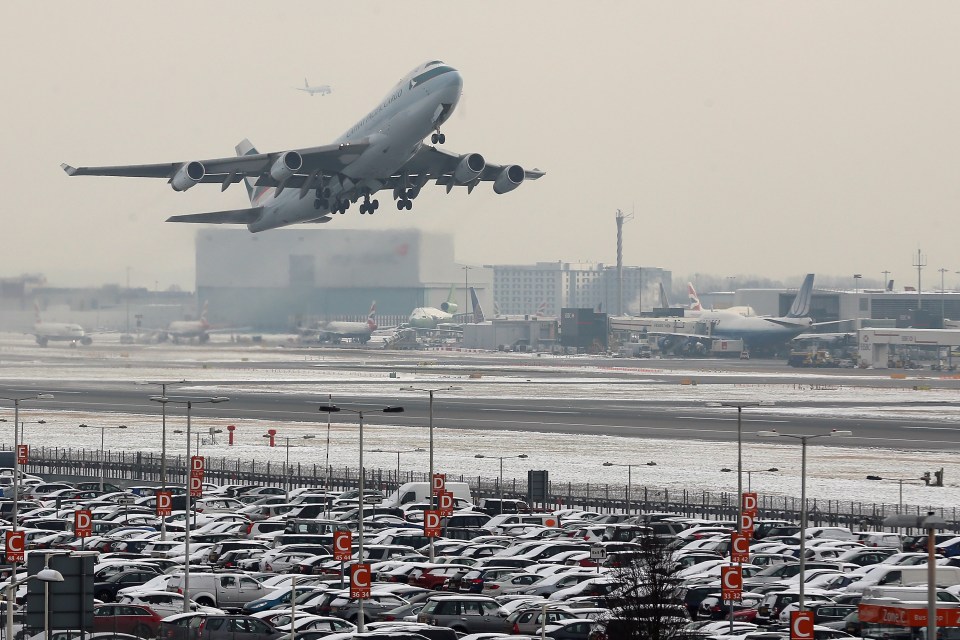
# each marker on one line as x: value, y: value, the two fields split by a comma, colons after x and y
x: 57, y: 331
x: 322, y: 89
x: 383, y: 151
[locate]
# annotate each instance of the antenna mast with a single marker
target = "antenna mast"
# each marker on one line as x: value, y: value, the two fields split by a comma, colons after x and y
x: 920, y: 263
x: 621, y: 218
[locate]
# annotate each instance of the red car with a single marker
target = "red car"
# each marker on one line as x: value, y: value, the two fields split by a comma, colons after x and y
x: 134, y: 619
x: 434, y: 577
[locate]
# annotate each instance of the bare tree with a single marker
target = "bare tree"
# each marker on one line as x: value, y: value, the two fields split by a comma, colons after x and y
x: 648, y: 604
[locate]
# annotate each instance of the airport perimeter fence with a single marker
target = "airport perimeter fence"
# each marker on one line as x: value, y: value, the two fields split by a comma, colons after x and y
x: 144, y: 467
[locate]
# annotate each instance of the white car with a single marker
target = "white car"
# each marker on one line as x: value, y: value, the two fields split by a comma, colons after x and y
x: 165, y: 603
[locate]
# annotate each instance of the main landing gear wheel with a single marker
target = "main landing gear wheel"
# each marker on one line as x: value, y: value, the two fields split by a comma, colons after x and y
x: 369, y: 206
x: 403, y: 203
x: 438, y: 138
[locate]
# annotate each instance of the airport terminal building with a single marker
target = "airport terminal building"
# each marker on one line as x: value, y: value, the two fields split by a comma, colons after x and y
x: 291, y: 277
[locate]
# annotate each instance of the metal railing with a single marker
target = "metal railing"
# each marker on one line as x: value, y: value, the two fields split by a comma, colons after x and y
x: 144, y: 467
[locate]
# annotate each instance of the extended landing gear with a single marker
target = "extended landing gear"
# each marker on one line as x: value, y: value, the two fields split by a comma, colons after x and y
x: 438, y: 138
x: 404, y: 203
x: 369, y: 206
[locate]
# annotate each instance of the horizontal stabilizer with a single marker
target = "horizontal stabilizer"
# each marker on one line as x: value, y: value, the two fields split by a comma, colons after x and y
x: 233, y: 216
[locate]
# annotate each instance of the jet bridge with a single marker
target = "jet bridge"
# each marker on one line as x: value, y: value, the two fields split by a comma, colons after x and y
x: 874, y: 344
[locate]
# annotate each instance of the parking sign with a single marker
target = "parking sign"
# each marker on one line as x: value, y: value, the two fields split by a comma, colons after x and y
x: 731, y: 583
x: 748, y: 503
x: 342, y: 545
x: 739, y: 548
x: 196, y: 486
x: 439, y: 483
x: 164, y: 503
x: 801, y: 625
x: 23, y: 453
x: 359, y: 581
x: 82, y: 523
x: 431, y: 523
x: 445, y: 502
x: 15, y: 543
x: 196, y: 466
x: 746, y: 525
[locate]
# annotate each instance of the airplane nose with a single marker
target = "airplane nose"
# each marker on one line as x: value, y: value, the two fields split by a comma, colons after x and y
x: 454, y: 84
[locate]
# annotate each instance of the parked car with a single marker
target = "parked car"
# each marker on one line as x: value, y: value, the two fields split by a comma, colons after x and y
x: 137, y: 620
x: 463, y: 613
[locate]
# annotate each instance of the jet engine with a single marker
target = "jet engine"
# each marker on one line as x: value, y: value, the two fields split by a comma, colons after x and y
x: 470, y: 167
x: 449, y: 307
x: 286, y: 165
x: 189, y: 174
x: 509, y: 179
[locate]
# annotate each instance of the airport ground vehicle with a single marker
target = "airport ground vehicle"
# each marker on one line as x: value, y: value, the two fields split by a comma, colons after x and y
x: 420, y: 492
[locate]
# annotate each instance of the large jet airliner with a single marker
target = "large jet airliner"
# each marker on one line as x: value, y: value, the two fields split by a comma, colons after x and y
x: 383, y: 151
x: 337, y: 330
x: 58, y: 331
x: 322, y: 89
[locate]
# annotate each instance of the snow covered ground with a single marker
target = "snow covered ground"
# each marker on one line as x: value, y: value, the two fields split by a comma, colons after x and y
x: 833, y: 472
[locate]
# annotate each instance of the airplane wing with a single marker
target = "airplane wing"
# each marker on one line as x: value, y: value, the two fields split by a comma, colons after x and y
x: 232, y: 216
x: 432, y: 163
x: 316, y: 161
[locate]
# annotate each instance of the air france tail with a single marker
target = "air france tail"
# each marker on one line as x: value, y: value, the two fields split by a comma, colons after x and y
x: 801, y: 304
x: 372, y: 316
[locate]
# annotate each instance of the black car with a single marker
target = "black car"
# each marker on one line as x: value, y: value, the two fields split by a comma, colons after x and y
x: 107, y: 590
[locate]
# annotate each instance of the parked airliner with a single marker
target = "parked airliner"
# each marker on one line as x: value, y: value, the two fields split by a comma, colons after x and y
x: 385, y: 150
x: 322, y: 89
x: 58, y: 331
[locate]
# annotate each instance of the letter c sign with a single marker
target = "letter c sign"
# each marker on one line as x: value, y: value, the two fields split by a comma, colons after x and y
x: 801, y: 625
x: 360, y: 581
x: 15, y: 542
x: 342, y: 545
x: 739, y: 548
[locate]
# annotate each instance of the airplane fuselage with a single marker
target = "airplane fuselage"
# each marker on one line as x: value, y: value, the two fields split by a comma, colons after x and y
x: 59, y: 332
x: 395, y: 130
x: 428, y: 317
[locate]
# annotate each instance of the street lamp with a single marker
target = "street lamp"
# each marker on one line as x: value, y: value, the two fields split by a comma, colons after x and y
x: 739, y: 407
x: 500, y: 482
x: 899, y: 481
x: 286, y: 464
x: 629, y: 476
x: 466, y: 288
x: 433, y: 504
x: 163, y: 439
x: 16, y: 400
x: 44, y: 575
x: 750, y: 472
x: 332, y: 408
x: 103, y: 460
x: 398, y: 452
x: 856, y: 282
x: 930, y: 523
x: 803, y: 490
x: 189, y: 402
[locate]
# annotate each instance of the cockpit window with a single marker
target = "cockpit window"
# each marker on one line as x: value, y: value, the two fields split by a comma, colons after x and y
x: 429, y: 74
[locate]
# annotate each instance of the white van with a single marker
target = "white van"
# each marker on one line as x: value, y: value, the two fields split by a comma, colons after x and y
x: 902, y: 576
x: 420, y: 492
x: 908, y: 594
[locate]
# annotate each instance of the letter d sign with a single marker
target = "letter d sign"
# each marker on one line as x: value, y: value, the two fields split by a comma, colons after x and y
x: 82, y: 523
x: 164, y: 503
x: 748, y: 502
x: 431, y: 523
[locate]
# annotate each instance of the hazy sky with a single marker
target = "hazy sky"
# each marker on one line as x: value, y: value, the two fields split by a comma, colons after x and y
x: 761, y: 137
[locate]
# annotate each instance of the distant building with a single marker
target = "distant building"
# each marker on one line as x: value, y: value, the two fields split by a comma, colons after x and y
x: 288, y: 277
x: 547, y: 287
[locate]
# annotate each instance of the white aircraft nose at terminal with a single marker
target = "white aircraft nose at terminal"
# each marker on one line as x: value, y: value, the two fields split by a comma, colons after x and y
x: 383, y: 151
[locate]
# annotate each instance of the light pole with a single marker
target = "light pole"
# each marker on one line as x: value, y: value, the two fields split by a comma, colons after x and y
x: 163, y: 441
x: 856, y: 282
x: 332, y: 408
x: 433, y: 504
x: 803, y: 491
x: 189, y: 402
x: 899, y: 481
x: 929, y: 523
x: 629, y: 477
x: 44, y: 575
x: 739, y: 406
x: 730, y: 280
x: 398, y: 452
x: 103, y: 460
x: 943, y: 316
x: 750, y: 473
x: 286, y: 464
x: 500, y: 482
x: 466, y: 288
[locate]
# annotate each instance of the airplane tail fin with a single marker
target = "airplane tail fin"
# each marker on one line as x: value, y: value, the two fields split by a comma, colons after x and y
x: 664, y: 299
x: 890, y: 286
x: 477, y: 310
x: 203, y: 313
x: 246, y: 148
x: 450, y: 306
x: 372, y: 316
x: 801, y: 304
x: 542, y: 309
x: 694, y: 300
